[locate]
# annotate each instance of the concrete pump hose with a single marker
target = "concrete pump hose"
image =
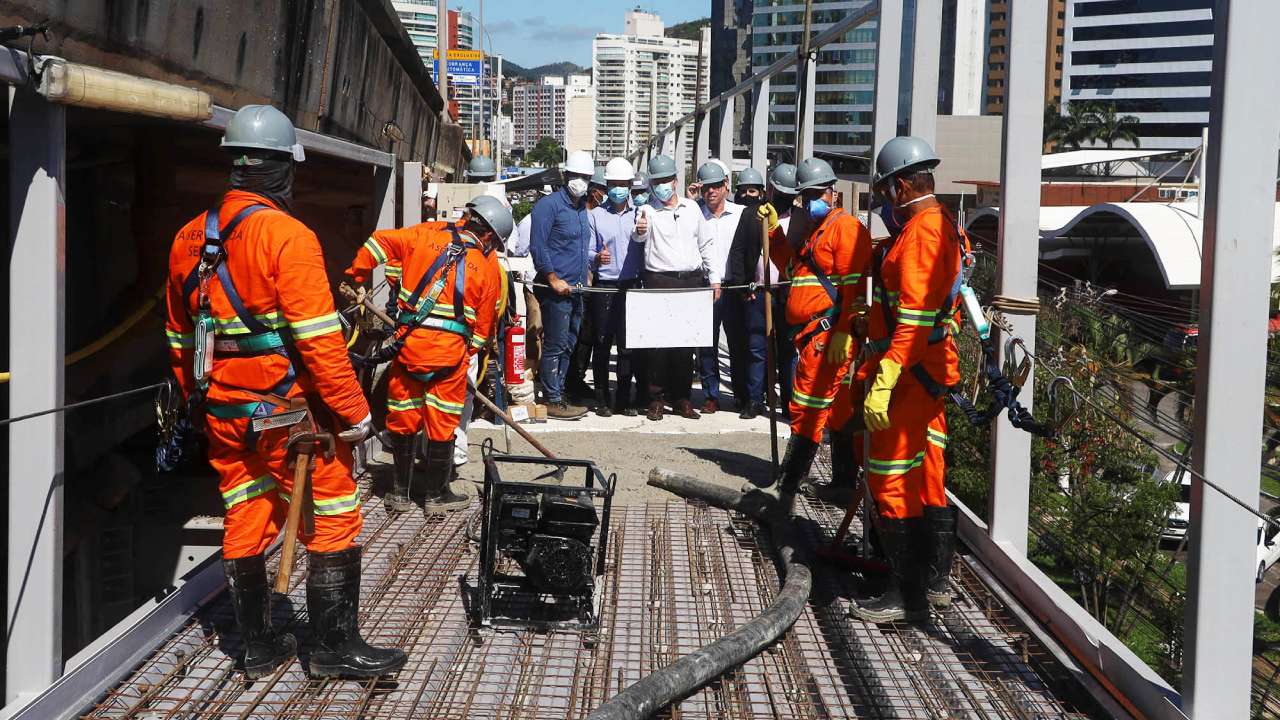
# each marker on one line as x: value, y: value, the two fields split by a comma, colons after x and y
x: 695, y: 670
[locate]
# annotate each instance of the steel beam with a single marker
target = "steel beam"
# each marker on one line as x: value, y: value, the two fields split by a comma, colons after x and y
x: 888, y: 73
x: 317, y: 143
x: 760, y: 127
x: 727, y: 109
x: 1019, y: 253
x: 1239, y: 216
x: 37, y: 347
x: 411, y: 206
x: 925, y: 51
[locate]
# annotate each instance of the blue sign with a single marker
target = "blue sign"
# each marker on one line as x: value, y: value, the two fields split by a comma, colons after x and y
x: 461, y: 72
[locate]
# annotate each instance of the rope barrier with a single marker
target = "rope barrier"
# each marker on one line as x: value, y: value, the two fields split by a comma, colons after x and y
x: 753, y: 287
x: 85, y: 403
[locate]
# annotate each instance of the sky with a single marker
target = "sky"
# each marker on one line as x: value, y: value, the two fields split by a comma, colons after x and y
x: 537, y: 32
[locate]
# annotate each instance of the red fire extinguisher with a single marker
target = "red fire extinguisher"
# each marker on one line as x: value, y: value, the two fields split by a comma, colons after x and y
x: 515, y: 351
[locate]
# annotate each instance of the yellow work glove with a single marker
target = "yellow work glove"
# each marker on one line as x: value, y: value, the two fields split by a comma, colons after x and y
x: 769, y: 213
x: 875, y: 408
x: 839, y: 348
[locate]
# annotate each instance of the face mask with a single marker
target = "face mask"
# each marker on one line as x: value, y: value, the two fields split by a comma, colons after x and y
x: 640, y: 198
x: 748, y: 199
x: 890, y: 217
x: 818, y: 208
x: 664, y: 191
x: 619, y: 195
x: 577, y: 187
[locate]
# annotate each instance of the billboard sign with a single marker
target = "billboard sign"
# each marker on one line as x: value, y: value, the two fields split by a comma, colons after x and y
x: 465, y: 67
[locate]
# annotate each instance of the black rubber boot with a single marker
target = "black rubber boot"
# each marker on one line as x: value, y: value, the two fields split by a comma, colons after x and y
x: 903, y: 598
x: 439, y: 474
x: 333, y: 602
x: 797, y: 462
x: 402, y: 453
x: 844, y: 472
x: 940, y: 528
x: 264, y: 648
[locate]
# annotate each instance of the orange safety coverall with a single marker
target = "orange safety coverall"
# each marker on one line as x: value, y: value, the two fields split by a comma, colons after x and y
x: 841, y: 248
x: 427, y: 382
x: 906, y: 468
x: 279, y: 273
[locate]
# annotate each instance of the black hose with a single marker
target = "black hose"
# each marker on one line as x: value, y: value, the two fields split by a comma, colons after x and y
x: 691, y: 672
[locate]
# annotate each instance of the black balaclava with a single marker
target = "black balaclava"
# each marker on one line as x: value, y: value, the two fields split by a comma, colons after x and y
x: 742, y: 199
x: 269, y: 174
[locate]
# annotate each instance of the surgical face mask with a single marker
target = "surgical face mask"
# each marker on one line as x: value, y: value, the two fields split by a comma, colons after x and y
x: 664, y: 191
x: 818, y: 209
x: 640, y: 198
x: 577, y: 187
x: 892, y: 222
x: 619, y: 195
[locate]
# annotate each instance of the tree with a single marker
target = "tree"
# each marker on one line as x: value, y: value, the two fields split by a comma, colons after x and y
x: 1054, y: 125
x: 547, y: 153
x: 1073, y: 129
x: 1109, y: 128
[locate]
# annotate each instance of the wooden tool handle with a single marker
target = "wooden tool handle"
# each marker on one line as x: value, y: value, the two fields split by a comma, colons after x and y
x: 301, y: 476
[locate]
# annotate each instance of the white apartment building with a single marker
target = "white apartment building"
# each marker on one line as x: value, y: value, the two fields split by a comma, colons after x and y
x: 580, y: 114
x: 644, y: 81
x: 421, y: 20
x: 1147, y: 58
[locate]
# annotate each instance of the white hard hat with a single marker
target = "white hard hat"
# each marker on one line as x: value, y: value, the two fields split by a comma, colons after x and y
x: 619, y: 169
x: 580, y: 163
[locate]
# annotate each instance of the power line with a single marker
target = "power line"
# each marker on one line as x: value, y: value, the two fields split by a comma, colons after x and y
x: 85, y: 403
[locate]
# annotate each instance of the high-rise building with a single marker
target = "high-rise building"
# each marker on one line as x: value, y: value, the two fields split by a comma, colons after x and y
x: 1150, y: 59
x: 538, y: 111
x: 731, y: 48
x: 579, y: 114
x: 998, y: 52
x: 845, y: 78
x: 644, y: 81
x: 421, y: 19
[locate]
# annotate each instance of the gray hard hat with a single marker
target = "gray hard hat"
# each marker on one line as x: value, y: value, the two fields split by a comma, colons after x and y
x: 904, y: 153
x: 711, y: 173
x: 495, y: 215
x: 640, y: 181
x: 481, y: 166
x: 783, y: 178
x: 750, y: 176
x: 661, y: 166
x: 597, y: 178
x: 814, y: 172
x: 262, y: 127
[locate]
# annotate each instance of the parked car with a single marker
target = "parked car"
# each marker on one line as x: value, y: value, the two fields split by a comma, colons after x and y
x: 1176, y: 527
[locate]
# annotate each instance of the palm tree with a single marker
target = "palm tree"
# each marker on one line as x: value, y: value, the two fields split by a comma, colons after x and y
x: 1054, y: 125
x: 1110, y: 128
x: 1073, y: 129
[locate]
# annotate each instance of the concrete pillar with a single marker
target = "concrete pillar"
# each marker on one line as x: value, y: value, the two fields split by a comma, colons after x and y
x: 726, y: 130
x: 1231, y: 368
x: 805, y: 100
x: 37, y: 346
x: 411, y: 210
x: 888, y: 71
x: 924, y: 73
x: 1019, y: 254
x: 702, y: 147
x: 760, y: 127
x: 681, y: 156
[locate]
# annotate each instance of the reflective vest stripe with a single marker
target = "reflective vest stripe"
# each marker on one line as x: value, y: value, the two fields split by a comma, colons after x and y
x: 246, y: 491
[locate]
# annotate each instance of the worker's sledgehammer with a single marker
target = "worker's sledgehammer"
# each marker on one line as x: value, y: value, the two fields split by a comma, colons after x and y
x: 372, y: 307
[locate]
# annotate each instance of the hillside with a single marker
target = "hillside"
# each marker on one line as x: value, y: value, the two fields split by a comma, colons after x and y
x: 514, y: 70
x: 688, y: 30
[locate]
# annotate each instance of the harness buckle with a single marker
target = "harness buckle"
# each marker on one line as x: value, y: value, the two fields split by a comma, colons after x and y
x: 825, y: 324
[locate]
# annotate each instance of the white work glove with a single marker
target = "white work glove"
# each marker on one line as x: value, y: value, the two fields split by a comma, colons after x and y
x: 358, y: 432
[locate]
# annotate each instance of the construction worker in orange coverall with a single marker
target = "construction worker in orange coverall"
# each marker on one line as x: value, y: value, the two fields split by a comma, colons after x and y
x: 247, y: 284
x: 912, y: 363
x: 826, y: 252
x: 449, y: 299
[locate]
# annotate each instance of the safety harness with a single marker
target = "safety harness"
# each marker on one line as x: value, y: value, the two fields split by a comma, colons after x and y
x: 423, y: 300
x: 1004, y: 392
x: 259, y: 339
x: 825, y: 319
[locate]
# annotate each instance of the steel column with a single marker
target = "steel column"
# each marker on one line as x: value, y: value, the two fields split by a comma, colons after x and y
x: 1019, y: 253
x: 37, y: 347
x: 411, y: 208
x: 888, y: 72
x: 727, y: 110
x: 760, y: 127
x: 924, y: 70
x: 1239, y: 215
x: 702, y: 146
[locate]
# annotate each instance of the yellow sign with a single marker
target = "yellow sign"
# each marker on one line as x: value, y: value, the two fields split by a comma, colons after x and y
x: 459, y: 54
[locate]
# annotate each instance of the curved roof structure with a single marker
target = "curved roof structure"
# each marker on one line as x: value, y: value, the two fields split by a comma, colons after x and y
x: 1171, y: 231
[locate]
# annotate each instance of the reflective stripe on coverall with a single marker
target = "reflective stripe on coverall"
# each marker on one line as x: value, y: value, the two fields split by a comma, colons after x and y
x: 841, y: 248
x: 906, y: 465
x: 427, y: 383
x: 279, y: 273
